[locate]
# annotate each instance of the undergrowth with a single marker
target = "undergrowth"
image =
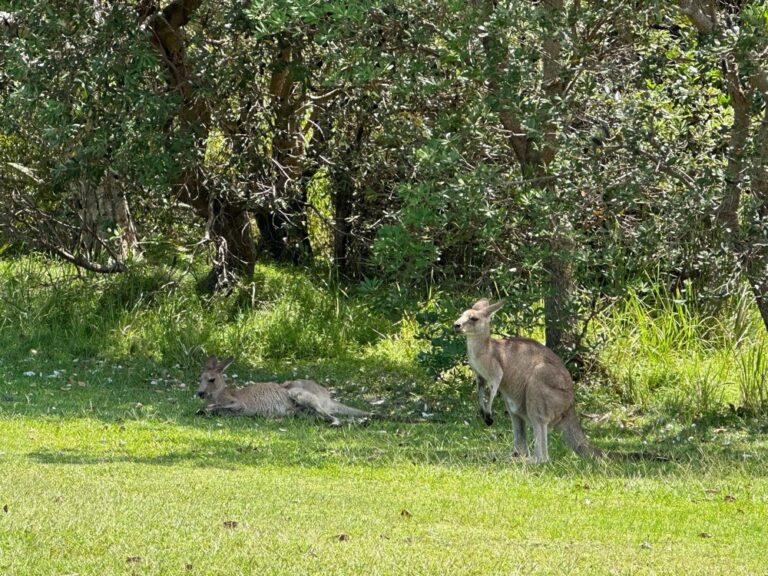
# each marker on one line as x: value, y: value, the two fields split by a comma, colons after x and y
x: 662, y: 352
x: 657, y: 352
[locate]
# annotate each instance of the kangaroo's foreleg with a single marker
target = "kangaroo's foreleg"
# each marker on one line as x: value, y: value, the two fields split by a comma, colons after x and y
x: 492, y: 384
x: 481, y: 387
x: 308, y: 400
x: 232, y: 406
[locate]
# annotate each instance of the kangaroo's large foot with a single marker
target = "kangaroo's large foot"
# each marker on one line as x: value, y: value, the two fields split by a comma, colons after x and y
x: 487, y: 418
x: 537, y: 460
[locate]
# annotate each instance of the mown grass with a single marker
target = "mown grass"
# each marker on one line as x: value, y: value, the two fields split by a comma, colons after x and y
x: 105, y: 469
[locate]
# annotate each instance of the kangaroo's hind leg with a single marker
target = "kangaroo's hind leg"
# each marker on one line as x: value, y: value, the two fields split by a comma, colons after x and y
x: 518, y: 429
x: 308, y: 400
x: 540, y: 440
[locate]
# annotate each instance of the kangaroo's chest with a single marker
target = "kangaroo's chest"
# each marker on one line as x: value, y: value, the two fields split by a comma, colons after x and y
x: 485, y: 365
x: 478, y: 368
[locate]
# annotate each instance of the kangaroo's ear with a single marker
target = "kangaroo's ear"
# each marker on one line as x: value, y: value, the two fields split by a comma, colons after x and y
x: 480, y: 304
x: 493, y: 308
x: 224, y: 364
x: 211, y: 363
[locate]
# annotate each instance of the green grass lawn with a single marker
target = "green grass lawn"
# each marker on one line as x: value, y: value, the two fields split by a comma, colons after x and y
x: 105, y: 468
x: 110, y: 472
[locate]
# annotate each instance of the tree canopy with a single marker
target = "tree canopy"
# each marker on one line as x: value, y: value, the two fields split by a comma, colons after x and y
x: 556, y: 149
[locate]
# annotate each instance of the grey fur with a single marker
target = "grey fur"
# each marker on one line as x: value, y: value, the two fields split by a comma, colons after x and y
x: 535, y: 384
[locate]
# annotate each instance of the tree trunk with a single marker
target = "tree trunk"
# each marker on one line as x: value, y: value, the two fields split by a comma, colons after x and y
x: 560, y: 316
x: 228, y: 224
x: 280, y: 234
x: 749, y: 250
x: 534, y: 154
x: 757, y: 235
x: 728, y: 210
x: 342, y: 226
x: 229, y: 229
x: 106, y: 220
x: 283, y: 223
x: 343, y: 207
x: 559, y: 310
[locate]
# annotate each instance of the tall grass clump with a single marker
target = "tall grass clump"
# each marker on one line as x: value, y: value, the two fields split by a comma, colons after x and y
x: 752, y: 374
x: 45, y: 308
x: 664, y: 351
x: 156, y: 313
x: 288, y: 314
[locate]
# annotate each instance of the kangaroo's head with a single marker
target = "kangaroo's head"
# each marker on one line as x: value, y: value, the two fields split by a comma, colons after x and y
x: 477, y: 320
x: 212, y: 377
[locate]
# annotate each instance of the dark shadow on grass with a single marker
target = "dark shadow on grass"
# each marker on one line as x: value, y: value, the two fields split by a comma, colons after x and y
x: 142, y: 387
x: 305, y: 443
x: 458, y: 440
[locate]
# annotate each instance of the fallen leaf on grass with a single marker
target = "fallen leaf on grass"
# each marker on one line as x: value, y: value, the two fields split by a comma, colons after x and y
x: 5, y: 508
x: 406, y: 513
x: 230, y: 524
x: 188, y: 566
x: 342, y: 537
x: 133, y: 559
x: 705, y: 535
x: 646, y: 546
x: 729, y: 498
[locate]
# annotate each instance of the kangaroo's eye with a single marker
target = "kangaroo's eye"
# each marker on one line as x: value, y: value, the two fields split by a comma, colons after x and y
x: 473, y: 319
x: 211, y: 380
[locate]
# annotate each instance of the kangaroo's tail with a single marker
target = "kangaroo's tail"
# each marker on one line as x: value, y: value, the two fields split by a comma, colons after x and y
x: 638, y: 456
x: 340, y: 409
x: 574, y: 436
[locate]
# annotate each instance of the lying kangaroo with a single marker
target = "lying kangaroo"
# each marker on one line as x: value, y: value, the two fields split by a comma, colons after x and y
x: 532, y: 379
x: 267, y: 398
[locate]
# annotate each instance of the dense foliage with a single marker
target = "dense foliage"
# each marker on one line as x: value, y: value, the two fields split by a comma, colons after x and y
x: 556, y: 151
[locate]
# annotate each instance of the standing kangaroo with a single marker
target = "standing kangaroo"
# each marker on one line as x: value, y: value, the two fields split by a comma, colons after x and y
x: 532, y: 379
x: 267, y: 398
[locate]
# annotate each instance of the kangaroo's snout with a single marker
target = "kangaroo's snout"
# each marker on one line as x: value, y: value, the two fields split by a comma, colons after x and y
x: 457, y: 327
x: 201, y: 394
